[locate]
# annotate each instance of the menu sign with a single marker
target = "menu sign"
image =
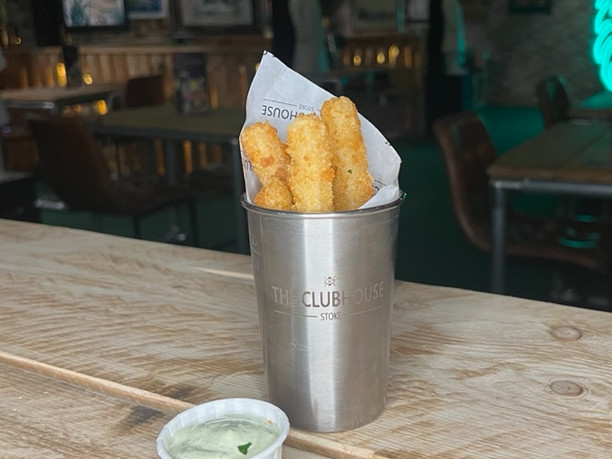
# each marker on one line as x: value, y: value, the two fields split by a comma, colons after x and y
x: 191, y: 83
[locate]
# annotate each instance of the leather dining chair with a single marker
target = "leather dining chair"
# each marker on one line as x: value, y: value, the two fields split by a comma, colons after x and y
x: 467, y: 150
x: 73, y: 165
x: 553, y: 100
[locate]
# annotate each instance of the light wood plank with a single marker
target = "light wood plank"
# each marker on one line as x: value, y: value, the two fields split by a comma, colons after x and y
x: 43, y: 417
x: 46, y: 417
x: 472, y: 374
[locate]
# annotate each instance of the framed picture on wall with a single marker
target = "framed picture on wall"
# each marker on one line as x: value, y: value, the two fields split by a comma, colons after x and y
x: 375, y: 15
x: 147, y: 9
x: 529, y: 6
x: 94, y: 15
x: 192, y: 17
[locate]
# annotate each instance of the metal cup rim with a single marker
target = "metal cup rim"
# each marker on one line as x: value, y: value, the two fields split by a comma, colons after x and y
x: 321, y: 215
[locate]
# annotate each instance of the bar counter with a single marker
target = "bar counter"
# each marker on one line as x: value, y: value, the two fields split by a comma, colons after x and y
x: 103, y: 339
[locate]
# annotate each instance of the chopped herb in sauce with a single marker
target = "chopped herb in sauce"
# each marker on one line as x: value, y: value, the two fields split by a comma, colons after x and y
x: 244, y: 449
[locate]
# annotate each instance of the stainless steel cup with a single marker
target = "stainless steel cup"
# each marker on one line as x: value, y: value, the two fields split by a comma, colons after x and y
x: 324, y: 287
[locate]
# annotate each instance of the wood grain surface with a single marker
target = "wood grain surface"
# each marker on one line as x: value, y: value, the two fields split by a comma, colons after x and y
x: 147, y: 326
x: 46, y: 417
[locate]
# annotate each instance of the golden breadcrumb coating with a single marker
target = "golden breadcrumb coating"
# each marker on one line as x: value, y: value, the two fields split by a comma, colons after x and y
x: 322, y: 168
x: 270, y: 162
x: 274, y: 195
x: 310, y: 171
x: 352, y: 181
x: 265, y: 151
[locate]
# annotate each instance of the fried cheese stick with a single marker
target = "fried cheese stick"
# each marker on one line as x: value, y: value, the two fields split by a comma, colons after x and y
x: 352, y: 181
x: 274, y: 195
x: 270, y: 162
x: 311, y: 173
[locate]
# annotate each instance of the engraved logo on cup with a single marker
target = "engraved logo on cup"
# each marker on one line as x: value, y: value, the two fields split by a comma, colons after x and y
x: 329, y: 281
x: 330, y: 303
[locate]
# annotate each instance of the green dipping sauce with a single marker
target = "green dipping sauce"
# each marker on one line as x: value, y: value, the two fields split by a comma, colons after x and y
x: 226, y: 437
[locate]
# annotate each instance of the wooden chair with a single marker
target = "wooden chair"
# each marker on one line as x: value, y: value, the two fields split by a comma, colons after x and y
x: 144, y: 91
x: 72, y: 163
x: 467, y: 150
x: 553, y: 100
x: 140, y: 91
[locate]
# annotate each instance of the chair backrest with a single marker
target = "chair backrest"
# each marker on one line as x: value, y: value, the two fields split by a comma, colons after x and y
x: 553, y: 100
x: 468, y: 151
x: 73, y: 164
x: 144, y: 91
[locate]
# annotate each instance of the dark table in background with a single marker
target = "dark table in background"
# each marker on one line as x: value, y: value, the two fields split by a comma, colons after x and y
x: 597, y: 107
x: 55, y: 98
x: 165, y: 123
x: 571, y: 158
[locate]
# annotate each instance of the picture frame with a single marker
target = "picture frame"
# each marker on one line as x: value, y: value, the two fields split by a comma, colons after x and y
x: 147, y: 9
x: 83, y: 16
x: 376, y: 16
x: 196, y: 17
x: 417, y: 11
x: 529, y: 6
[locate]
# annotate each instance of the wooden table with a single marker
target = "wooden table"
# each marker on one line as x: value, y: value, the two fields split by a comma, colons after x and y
x: 164, y: 122
x: 597, y: 106
x: 56, y: 98
x: 17, y: 195
x: 573, y: 158
x: 104, y: 339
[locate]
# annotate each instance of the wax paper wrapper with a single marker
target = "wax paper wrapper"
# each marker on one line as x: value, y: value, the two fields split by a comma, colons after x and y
x: 277, y: 94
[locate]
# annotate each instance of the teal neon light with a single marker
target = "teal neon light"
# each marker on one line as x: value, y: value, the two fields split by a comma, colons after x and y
x: 602, y: 46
